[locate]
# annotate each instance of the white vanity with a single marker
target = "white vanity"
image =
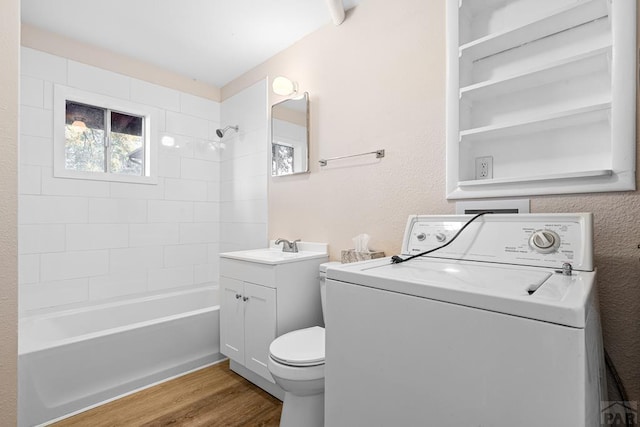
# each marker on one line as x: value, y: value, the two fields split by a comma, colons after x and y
x: 266, y: 293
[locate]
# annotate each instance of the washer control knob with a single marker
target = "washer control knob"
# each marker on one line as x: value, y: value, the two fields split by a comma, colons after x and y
x: 441, y: 237
x: 421, y: 236
x: 544, y: 241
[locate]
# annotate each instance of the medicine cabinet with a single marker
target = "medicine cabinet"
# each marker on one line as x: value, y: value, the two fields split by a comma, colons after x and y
x: 290, y: 136
x: 541, y: 97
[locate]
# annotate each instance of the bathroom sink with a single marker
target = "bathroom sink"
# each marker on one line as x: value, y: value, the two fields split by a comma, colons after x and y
x: 275, y: 255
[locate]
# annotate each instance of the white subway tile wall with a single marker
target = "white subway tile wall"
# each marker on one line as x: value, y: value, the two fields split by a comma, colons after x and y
x: 168, y: 278
x: 82, y: 237
x: 28, y: 270
x: 153, y: 234
x: 121, y: 283
x: 83, y: 241
x: 93, y: 79
x: 198, y: 107
x: 43, y: 66
x: 244, y: 171
x: 60, y: 293
x: 158, y: 96
x: 35, y: 151
x: 183, y: 124
x: 73, y: 264
x: 41, y: 238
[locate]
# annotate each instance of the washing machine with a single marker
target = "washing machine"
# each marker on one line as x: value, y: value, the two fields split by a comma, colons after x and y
x: 498, y: 327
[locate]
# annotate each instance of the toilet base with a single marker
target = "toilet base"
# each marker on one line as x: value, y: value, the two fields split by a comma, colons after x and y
x: 305, y: 411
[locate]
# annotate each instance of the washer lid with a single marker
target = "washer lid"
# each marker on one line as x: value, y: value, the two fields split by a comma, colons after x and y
x: 535, y: 293
x: 304, y: 347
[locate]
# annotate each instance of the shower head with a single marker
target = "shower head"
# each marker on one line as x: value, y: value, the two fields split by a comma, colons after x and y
x: 221, y: 132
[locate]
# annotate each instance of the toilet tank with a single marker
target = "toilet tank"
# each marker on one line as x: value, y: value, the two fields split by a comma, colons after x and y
x: 323, y: 282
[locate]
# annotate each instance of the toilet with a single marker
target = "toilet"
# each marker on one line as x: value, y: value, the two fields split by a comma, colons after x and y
x: 296, y: 362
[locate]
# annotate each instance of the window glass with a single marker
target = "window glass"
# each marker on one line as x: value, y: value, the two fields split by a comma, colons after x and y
x: 127, y: 144
x: 85, y: 138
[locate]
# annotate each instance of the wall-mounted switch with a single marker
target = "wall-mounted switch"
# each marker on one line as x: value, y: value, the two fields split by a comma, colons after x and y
x: 484, y: 167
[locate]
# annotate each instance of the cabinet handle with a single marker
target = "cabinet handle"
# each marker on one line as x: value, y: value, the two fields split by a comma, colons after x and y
x: 238, y: 296
x: 245, y: 299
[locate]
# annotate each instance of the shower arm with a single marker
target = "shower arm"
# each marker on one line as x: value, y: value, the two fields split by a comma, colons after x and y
x: 223, y: 131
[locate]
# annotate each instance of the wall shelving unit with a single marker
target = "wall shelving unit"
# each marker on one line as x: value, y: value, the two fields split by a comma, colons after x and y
x: 546, y: 90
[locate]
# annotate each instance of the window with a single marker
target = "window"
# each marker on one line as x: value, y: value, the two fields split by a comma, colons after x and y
x: 101, y: 138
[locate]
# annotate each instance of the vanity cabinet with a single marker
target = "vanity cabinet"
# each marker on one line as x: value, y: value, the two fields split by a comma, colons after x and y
x: 261, y: 300
x: 248, y: 323
x: 540, y: 97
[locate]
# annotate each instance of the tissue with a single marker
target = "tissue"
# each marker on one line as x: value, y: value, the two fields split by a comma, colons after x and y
x: 360, y: 251
x: 361, y: 242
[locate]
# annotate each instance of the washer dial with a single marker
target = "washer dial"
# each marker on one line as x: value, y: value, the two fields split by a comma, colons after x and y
x: 544, y: 241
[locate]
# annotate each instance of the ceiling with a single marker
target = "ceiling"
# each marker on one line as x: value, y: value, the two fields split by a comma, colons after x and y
x: 213, y: 41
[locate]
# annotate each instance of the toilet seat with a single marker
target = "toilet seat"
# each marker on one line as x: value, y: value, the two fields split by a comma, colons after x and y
x: 304, y: 347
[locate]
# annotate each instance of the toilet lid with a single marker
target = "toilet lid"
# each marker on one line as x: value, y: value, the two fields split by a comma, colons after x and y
x: 304, y: 347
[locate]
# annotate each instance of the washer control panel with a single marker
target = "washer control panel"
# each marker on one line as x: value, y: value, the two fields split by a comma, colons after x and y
x: 547, y: 240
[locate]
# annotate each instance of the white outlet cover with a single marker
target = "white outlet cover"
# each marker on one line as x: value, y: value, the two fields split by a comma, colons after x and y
x: 488, y: 167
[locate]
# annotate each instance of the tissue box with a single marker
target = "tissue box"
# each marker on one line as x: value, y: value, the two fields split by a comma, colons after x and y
x: 351, y: 255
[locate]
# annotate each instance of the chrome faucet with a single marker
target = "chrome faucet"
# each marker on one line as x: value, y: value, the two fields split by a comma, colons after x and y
x: 288, y: 246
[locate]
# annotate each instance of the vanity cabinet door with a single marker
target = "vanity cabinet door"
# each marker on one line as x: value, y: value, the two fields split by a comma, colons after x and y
x: 232, y: 319
x: 259, y: 327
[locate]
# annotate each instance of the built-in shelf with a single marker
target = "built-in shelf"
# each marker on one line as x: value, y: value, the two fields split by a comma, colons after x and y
x: 550, y: 177
x: 554, y: 22
x: 575, y: 117
x: 473, y: 7
x: 541, y: 95
x: 586, y: 63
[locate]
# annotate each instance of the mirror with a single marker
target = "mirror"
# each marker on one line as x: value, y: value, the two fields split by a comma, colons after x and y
x: 290, y: 136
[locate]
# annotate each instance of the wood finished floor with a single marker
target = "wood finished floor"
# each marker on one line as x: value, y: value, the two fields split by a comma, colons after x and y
x: 213, y: 396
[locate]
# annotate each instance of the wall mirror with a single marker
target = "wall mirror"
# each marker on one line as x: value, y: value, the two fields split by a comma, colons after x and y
x: 290, y: 136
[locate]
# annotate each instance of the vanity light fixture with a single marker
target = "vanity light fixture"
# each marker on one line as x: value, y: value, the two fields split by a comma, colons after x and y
x: 283, y: 86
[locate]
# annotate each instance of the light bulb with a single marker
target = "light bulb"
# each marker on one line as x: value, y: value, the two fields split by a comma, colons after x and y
x: 283, y: 86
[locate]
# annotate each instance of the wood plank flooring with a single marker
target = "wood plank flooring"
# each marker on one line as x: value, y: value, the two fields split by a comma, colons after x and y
x: 213, y: 396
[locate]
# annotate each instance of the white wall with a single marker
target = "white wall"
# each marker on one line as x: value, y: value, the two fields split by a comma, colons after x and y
x: 9, y: 94
x: 378, y: 81
x: 86, y: 241
x: 244, y: 171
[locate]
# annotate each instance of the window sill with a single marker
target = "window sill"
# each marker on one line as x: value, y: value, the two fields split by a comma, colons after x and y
x: 101, y: 176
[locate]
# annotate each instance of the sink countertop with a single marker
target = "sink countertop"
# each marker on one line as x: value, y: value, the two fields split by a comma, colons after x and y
x: 274, y: 255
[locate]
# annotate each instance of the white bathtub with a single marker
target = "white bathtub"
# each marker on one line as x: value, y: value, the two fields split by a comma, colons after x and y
x: 72, y: 360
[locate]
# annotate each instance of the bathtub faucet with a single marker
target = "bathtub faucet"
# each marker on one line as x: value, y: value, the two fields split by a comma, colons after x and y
x: 288, y: 246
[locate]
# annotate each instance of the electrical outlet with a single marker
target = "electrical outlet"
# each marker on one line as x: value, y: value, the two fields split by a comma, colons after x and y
x: 484, y: 167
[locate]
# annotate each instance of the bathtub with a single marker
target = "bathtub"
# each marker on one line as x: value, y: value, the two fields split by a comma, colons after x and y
x: 72, y: 360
